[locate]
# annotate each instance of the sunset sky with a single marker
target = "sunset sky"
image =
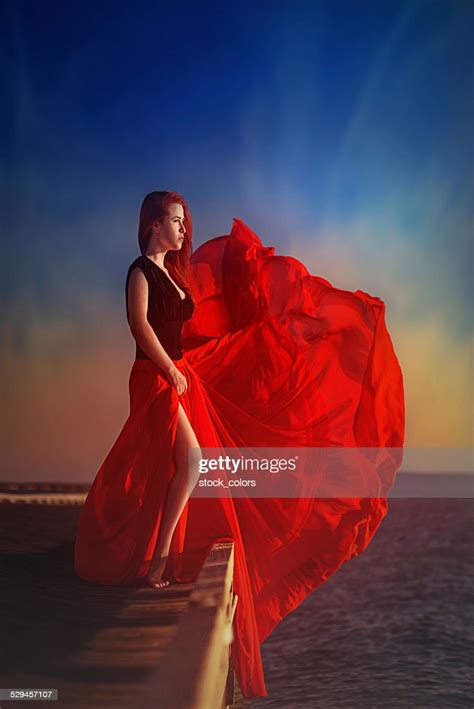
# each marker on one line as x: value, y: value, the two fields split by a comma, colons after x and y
x: 341, y: 133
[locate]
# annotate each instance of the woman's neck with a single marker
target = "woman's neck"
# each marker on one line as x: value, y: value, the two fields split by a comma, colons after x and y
x: 158, y: 258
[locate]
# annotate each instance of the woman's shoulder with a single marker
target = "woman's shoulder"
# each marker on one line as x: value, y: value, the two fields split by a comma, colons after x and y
x: 139, y: 262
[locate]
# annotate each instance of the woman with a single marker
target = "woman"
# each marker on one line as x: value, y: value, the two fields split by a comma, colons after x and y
x: 163, y: 230
x: 262, y: 354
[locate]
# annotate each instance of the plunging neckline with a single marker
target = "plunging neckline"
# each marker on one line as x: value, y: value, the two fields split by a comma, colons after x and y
x: 167, y: 278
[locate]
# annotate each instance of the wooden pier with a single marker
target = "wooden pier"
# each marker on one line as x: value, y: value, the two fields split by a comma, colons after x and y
x: 102, y: 646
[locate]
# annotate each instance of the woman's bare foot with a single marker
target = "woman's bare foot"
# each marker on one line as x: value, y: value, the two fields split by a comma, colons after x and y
x: 155, y: 573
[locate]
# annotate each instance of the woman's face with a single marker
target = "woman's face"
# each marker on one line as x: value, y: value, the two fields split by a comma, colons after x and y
x: 171, y: 229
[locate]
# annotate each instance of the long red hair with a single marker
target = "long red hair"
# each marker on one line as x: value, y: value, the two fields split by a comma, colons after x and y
x: 154, y: 207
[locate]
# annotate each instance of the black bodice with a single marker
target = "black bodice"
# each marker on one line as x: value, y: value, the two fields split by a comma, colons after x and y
x: 166, y: 309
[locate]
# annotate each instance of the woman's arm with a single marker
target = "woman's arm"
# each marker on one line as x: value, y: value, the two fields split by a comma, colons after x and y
x: 141, y: 329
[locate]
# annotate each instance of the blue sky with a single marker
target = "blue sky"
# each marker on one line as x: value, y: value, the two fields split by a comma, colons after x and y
x: 339, y: 132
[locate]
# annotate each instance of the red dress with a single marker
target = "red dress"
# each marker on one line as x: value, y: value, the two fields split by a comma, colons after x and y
x: 274, y: 356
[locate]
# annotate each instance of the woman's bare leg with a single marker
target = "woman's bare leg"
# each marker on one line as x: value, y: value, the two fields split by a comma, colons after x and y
x: 178, y: 493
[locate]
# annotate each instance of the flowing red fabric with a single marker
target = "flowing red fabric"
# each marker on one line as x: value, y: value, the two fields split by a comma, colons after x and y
x: 274, y: 356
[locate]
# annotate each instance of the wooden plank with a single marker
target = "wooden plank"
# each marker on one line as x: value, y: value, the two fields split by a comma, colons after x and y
x: 98, y: 645
x: 194, y: 673
x: 106, y: 646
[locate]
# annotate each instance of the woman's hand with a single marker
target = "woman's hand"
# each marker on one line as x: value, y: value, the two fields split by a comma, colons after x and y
x: 177, y: 379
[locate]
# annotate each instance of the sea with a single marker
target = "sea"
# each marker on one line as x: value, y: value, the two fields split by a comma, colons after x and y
x: 393, y: 627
